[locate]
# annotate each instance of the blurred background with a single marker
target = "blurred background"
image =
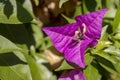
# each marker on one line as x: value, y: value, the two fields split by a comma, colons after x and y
x: 27, y: 53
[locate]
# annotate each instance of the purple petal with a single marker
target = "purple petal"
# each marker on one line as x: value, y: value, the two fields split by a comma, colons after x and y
x: 61, y: 36
x: 93, y: 23
x: 75, y: 74
x: 74, y: 53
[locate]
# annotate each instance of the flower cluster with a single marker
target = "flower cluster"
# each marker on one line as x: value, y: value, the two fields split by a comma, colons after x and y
x: 73, y: 39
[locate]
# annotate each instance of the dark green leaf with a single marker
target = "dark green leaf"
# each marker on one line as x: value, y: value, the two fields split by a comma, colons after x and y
x: 109, y: 66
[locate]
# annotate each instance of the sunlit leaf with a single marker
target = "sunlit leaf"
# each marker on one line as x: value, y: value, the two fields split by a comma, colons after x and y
x: 102, y: 44
x: 104, y: 34
x: 7, y: 46
x: 112, y: 50
x: 15, y: 11
x: 90, y: 71
x: 88, y: 58
x: 38, y: 35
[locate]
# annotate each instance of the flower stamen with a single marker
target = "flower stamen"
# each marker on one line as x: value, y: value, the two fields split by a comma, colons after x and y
x: 84, y: 28
x: 78, y: 34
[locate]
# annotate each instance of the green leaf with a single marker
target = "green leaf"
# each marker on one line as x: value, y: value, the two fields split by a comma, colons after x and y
x: 17, y: 33
x: 91, y: 73
x: 7, y: 46
x: 117, y: 36
x: 111, y: 5
x: 116, y: 20
x: 37, y: 34
x: 85, y: 10
x: 88, y: 59
x: 117, y: 66
x: 106, y: 64
x: 117, y: 44
x: 64, y: 66
x: 36, y: 2
x: 15, y: 11
x: 78, y: 10
x: 105, y: 56
x: 68, y: 19
x: 62, y: 2
x: 39, y: 71
x: 102, y: 44
x: 12, y: 68
x: 109, y: 68
x: 112, y: 50
x: 104, y: 34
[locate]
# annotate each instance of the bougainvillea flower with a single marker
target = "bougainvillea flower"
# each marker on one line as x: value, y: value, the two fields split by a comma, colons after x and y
x: 71, y: 42
x: 75, y: 74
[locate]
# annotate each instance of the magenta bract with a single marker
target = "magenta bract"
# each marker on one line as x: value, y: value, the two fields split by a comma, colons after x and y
x: 73, y: 43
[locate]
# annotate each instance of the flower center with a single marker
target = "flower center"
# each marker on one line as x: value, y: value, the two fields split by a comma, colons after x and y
x: 78, y: 34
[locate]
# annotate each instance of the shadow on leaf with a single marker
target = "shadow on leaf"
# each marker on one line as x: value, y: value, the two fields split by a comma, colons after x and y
x: 10, y: 59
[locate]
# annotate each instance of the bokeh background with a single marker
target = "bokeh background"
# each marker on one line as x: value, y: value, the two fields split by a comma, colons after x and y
x: 27, y: 53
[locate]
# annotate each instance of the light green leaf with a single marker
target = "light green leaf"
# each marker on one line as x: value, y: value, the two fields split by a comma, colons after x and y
x: 64, y: 66
x: 62, y: 2
x: 104, y: 34
x: 116, y: 20
x: 15, y: 11
x: 117, y: 36
x: 7, y: 46
x: 91, y: 73
x: 38, y: 35
x: 102, y: 44
x: 112, y: 50
x: 112, y: 10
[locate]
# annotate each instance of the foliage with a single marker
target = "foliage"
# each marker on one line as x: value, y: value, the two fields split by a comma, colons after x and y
x: 23, y: 43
